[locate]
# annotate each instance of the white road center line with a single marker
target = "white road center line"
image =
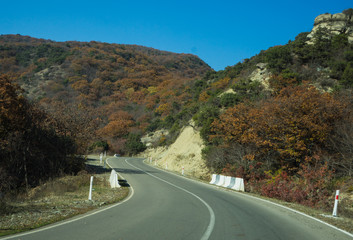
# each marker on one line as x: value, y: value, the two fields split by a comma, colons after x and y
x: 211, y: 224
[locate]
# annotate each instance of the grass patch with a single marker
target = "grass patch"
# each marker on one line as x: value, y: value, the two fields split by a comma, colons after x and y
x: 56, y: 200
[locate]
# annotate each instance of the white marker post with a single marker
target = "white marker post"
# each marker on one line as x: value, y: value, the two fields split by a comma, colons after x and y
x: 90, y: 189
x: 101, y: 158
x: 166, y: 165
x: 334, y: 213
x: 182, y: 170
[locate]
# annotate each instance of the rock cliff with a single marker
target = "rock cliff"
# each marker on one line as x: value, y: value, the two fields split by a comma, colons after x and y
x: 335, y: 23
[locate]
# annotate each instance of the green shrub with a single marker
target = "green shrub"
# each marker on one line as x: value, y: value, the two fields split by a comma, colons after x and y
x: 154, y: 125
x: 102, y: 145
x: 133, y: 144
x: 204, y: 118
x: 278, y: 58
x: 347, y: 76
x: 229, y: 99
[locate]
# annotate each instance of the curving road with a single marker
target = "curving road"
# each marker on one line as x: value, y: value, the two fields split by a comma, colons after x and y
x: 165, y: 206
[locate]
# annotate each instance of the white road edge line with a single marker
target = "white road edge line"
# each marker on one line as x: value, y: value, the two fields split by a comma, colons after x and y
x: 303, y: 214
x: 211, y: 224
x: 257, y: 198
x: 131, y: 193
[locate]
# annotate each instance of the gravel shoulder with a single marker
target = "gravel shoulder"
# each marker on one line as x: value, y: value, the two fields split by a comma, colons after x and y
x: 60, y: 199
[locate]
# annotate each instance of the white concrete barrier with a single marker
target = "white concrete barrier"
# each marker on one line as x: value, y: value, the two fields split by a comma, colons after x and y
x: 217, y: 179
x: 239, y: 184
x: 226, y: 181
x: 232, y: 182
x: 114, y: 183
x: 242, y: 186
x: 213, y: 180
x: 221, y: 180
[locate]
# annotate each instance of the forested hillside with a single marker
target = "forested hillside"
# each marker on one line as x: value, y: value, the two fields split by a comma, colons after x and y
x: 283, y: 119
x: 123, y: 86
x: 60, y: 99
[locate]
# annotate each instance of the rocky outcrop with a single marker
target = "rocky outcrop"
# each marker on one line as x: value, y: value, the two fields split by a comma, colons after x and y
x: 261, y: 74
x: 335, y: 24
x: 44, y: 82
x: 184, y: 152
x: 154, y: 138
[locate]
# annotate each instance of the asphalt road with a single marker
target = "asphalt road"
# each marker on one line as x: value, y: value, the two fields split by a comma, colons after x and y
x: 165, y: 206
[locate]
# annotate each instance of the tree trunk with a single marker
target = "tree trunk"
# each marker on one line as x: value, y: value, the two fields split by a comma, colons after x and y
x: 25, y: 167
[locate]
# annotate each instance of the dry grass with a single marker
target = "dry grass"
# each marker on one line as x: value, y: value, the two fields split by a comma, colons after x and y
x: 58, y: 199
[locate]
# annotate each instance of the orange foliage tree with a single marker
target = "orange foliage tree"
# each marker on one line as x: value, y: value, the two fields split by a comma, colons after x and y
x: 284, y: 129
x: 118, y: 126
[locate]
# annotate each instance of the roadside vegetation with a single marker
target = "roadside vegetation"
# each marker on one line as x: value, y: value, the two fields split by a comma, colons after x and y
x: 58, y: 199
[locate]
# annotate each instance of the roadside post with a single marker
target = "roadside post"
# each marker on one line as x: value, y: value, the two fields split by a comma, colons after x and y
x: 334, y: 213
x: 182, y: 170
x: 90, y: 189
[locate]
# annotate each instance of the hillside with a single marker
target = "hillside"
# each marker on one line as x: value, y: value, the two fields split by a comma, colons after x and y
x: 57, y: 70
x: 61, y: 100
x: 123, y: 87
x: 282, y: 120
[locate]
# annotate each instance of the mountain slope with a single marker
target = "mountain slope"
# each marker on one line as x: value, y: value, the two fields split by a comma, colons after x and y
x: 124, y: 87
x: 282, y: 120
x: 122, y: 65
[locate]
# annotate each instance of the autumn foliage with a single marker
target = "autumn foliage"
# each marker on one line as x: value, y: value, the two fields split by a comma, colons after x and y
x: 285, y: 128
x: 311, y: 186
x: 33, y: 146
x: 102, y: 78
x: 279, y: 145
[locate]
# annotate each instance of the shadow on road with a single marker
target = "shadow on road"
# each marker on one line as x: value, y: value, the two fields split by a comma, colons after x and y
x: 96, y: 169
x: 123, y: 183
x: 131, y: 171
x: 93, y: 166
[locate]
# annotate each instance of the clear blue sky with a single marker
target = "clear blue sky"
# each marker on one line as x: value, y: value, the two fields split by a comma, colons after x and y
x: 220, y: 32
